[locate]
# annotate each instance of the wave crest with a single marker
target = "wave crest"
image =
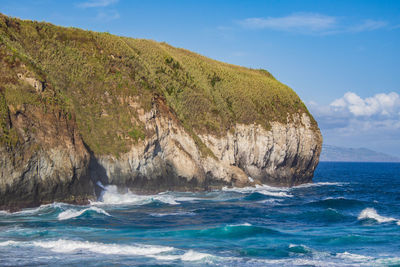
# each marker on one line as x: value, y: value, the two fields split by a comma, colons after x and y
x: 164, y: 253
x: 261, y: 189
x: 370, y: 213
x: 71, y: 213
x: 111, y: 196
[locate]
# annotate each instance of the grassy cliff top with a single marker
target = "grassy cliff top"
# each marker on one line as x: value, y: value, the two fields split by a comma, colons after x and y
x: 95, y: 76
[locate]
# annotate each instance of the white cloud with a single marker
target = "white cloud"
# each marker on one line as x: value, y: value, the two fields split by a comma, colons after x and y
x: 295, y: 22
x: 379, y: 104
x: 369, y: 25
x: 107, y: 15
x: 311, y: 23
x: 97, y: 3
x: 353, y: 121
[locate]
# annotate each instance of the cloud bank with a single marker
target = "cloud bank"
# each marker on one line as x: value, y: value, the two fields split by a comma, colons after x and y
x: 352, y: 121
x: 380, y: 104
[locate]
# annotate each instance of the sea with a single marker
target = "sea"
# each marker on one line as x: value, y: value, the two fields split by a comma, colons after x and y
x: 348, y: 216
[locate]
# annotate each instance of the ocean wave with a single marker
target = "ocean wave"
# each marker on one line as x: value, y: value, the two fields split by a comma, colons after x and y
x: 111, y: 196
x: 35, y: 211
x: 179, y: 213
x: 326, y: 259
x: 8, y: 243
x: 190, y: 255
x: 300, y: 249
x: 293, y: 262
x: 339, y: 202
x: 318, y: 184
x: 240, y: 224
x: 370, y: 213
x: 234, y: 231
x: 262, y: 189
x: 69, y: 246
x: 354, y: 257
x: 163, y: 253
x: 328, y: 215
x: 72, y: 213
x: 270, y: 201
x: 168, y: 254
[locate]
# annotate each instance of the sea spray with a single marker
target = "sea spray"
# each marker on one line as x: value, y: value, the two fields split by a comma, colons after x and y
x: 111, y: 196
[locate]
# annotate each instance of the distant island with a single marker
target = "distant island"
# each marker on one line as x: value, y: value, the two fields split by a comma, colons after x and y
x: 335, y: 153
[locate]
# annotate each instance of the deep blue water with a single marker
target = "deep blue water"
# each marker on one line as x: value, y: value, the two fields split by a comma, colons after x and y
x: 350, y: 216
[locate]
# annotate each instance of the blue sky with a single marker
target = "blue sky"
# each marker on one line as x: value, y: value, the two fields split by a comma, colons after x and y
x: 341, y: 57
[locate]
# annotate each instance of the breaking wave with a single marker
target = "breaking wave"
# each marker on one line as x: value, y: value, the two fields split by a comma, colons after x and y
x: 318, y: 184
x: 69, y: 246
x: 165, y: 253
x: 71, y: 213
x: 111, y: 196
x: 261, y: 189
x: 370, y: 213
x: 179, y: 213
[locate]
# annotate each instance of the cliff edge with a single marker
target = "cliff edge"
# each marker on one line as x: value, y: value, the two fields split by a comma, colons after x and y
x: 78, y: 108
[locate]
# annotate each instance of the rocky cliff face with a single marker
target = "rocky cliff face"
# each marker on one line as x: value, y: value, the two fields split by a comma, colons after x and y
x: 49, y: 163
x: 52, y: 163
x: 80, y: 108
x: 286, y: 155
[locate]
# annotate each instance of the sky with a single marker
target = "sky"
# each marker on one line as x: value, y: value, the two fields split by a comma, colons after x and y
x: 341, y: 57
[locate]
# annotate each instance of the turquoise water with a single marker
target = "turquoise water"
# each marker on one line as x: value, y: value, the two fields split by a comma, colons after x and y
x: 350, y: 216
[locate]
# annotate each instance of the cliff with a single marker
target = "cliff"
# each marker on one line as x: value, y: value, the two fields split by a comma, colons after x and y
x: 79, y: 107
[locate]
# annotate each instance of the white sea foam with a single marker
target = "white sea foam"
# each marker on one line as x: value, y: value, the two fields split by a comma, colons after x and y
x: 292, y: 262
x: 72, y: 213
x: 188, y: 256
x: 262, y: 189
x: 274, y: 194
x: 271, y: 201
x: 69, y: 246
x: 354, y: 257
x: 179, y: 213
x: 326, y: 259
x: 295, y: 246
x: 370, y: 213
x: 31, y: 211
x: 318, y: 184
x: 111, y: 196
x: 158, y: 252
x: 241, y: 224
x: 8, y: 243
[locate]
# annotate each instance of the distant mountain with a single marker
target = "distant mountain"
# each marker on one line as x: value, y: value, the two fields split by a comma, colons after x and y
x: 335, y: 153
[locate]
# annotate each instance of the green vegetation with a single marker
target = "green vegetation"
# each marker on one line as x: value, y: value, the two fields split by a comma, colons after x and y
x: 93, y: 76
x: 8, y: 136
